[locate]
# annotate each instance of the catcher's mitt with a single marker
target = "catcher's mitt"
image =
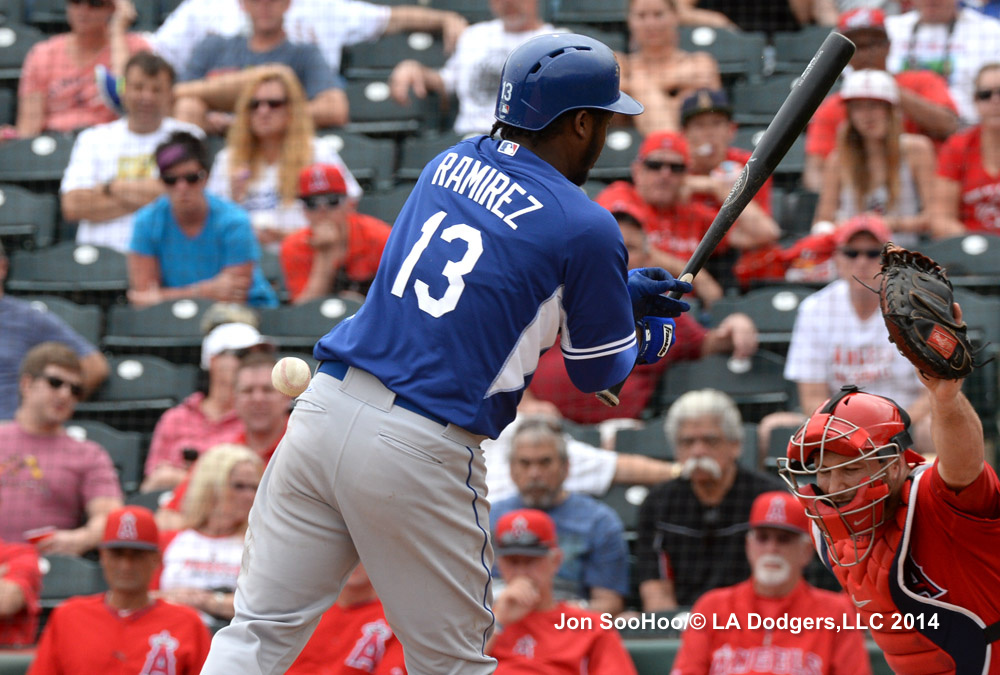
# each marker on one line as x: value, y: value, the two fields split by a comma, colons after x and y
x: 916, y: 299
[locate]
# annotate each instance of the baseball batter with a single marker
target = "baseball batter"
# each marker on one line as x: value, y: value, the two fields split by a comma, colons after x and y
x: 913, y: 545
x: 495, y: 252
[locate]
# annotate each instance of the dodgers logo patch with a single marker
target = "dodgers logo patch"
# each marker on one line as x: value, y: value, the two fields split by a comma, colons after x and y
x: 507, y: 148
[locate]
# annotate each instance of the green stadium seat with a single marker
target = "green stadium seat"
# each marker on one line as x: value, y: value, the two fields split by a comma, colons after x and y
x: 772, y: 309
x: 82, y: 273
x: 86, y: 320
x: 298, y: 327
x: 171, y: 329
x: 126, y: 449
x: 970, y: 260
x: 739, y: 55
x: 16, y: 40
x: 27, y: 219
x: 375, y: 60
x: 371, y: 160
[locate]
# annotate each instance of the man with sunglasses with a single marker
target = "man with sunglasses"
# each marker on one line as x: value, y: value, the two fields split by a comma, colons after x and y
x: 673, y: 222
x: 840, y: 338
x: 778, y: 548
x: 340, y: 249
x: 192, y: 244
x: 54, y: 489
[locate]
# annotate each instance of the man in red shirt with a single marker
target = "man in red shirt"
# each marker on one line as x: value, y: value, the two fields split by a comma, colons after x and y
x: 125, y: 630
x: 20, y: 584
x: 778, y: 548
x: 341, y: 248
x: 535, y: 633
x: 927, y: 105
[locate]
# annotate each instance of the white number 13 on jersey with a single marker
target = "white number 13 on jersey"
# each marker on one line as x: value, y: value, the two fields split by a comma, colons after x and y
x: 453, y: 270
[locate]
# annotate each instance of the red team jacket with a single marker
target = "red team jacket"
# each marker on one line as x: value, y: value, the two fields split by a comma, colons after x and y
x: 85, y: 635
x: 351, y: 640
x: 739, y: 649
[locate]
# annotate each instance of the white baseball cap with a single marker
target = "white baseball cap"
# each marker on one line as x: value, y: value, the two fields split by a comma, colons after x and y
x: 230, y: 336
x: 871, y: 84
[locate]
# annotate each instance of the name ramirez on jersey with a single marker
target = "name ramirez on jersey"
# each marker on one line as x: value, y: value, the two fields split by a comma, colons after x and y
x: 486, y: 185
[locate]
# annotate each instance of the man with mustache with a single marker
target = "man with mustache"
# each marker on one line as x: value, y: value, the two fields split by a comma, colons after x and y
x: 591, y: 535
x: 778, y: 548
x: 690, y: 534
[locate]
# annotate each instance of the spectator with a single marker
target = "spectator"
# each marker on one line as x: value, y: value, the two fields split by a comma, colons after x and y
x: 125, y: 630
x: 778, y: 548
x: 657, y: 72
x: 674, y: 224
x: 594, y: 568
x: 25, y: 327
x: 534, y: 630
x: 270, y: 141
x: 923, y: 95
x: 331, y: 25
x: 691, y: 530
x: 967, y: 189
x: 202, y: 561
x: 839, y: 337
x: 340, y: 249
x: 111, y: 172
x: 875, y: 167
x: 57, y: 90
x: 20, y: 585
x: 49, y: 480
x: 352, y: 636
x: 472, y: 73
x: 736, y: 334
x: 591, y: 470
x: 220, y: 68
x: 190, y: 244
x: 758, y: 17
x: 950, y: 40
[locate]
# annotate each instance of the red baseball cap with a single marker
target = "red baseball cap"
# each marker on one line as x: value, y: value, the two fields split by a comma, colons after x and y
x: 664, y: 140
x: 861, y: 19
x: 131, y: 527
x: 863, y: 222
x: 321, y: 179
x: 525, y: 532
x: 632, y: 209
x: 779, y: 510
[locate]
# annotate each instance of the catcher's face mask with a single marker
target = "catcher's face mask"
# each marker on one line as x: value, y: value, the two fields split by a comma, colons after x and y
x: 838, y: 466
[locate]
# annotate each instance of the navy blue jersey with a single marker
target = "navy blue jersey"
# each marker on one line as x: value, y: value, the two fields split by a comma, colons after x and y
x: 493, y: 253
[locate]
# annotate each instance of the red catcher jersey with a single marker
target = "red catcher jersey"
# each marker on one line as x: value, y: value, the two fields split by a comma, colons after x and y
x: 739, y: 650
x: 351, y: 640
x: 533, y: 646
x: 85, y: 635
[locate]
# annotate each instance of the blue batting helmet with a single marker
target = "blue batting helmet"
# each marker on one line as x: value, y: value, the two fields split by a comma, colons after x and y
x: 550, y: 74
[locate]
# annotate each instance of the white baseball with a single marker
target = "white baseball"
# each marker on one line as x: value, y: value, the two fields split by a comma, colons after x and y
x: 291, y: 376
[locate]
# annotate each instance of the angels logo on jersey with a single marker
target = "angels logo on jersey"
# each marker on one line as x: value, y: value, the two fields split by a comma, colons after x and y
x: 370, y: 647
x: 526, y: 647
x: 918, y: 581
x: 161, y: 659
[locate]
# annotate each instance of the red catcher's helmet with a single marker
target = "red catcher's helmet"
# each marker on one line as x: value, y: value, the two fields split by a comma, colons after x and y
x: 857, y: 427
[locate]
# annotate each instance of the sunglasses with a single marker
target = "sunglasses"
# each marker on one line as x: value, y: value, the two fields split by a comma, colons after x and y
x: 986, y: 94
x: 657, y: 164
x: 780, y: 536
x: 314, y: 202
x: 853, y: 253
x: 96, y: 4
x: 189, y: 178
x: 58, y: 383
x: 270, y: 103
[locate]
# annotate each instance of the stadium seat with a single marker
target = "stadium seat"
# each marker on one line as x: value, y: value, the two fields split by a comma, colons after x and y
x: 970, y: 260
x: 755, y: 103
x: 375, y: 60
x: 795, y: 211
x: 778, y: 446
x: 790, y: 168
x: 86, y: 320
x: 649, y: 440
x: 64, y: 576
x: 298, y: 327
x: 739, y: 55
x: 84, y: 273
x: 794, y: 50
x: 15, y: 42
x: 626, y: 500
x: 27, y: 219
x: 617, y: 40
x: 7, y: 99
x: 473, y: 10
x: 126, y: 448
x: 36, y: 163
x: 150, y: 500
x: 270, y: 267
x: 171, y: 330
x: 11, y: 11
x: 417, y: 151
x: 615, y: 162
x: 371, y: 160
x: 50, y: 15
x: 374, y: 112
x: 585, y: 433
x: 772, y: 309
x: 138, y: 390
x: 757, y: 385
x: 385, y: 204
x: 589, y: 12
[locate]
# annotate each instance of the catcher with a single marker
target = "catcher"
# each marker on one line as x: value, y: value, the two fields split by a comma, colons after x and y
x: 914, y: 545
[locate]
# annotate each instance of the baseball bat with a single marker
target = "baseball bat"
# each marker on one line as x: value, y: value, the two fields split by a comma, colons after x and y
x: 790, y: 120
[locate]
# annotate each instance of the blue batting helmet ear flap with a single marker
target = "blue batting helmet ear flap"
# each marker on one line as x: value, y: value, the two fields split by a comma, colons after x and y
x: 550, y: 74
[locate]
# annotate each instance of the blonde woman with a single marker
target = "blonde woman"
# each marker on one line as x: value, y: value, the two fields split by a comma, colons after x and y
x: 202, y: 561
x: 657, y: 72
x: 875, y: 167
x: 270, y: 140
